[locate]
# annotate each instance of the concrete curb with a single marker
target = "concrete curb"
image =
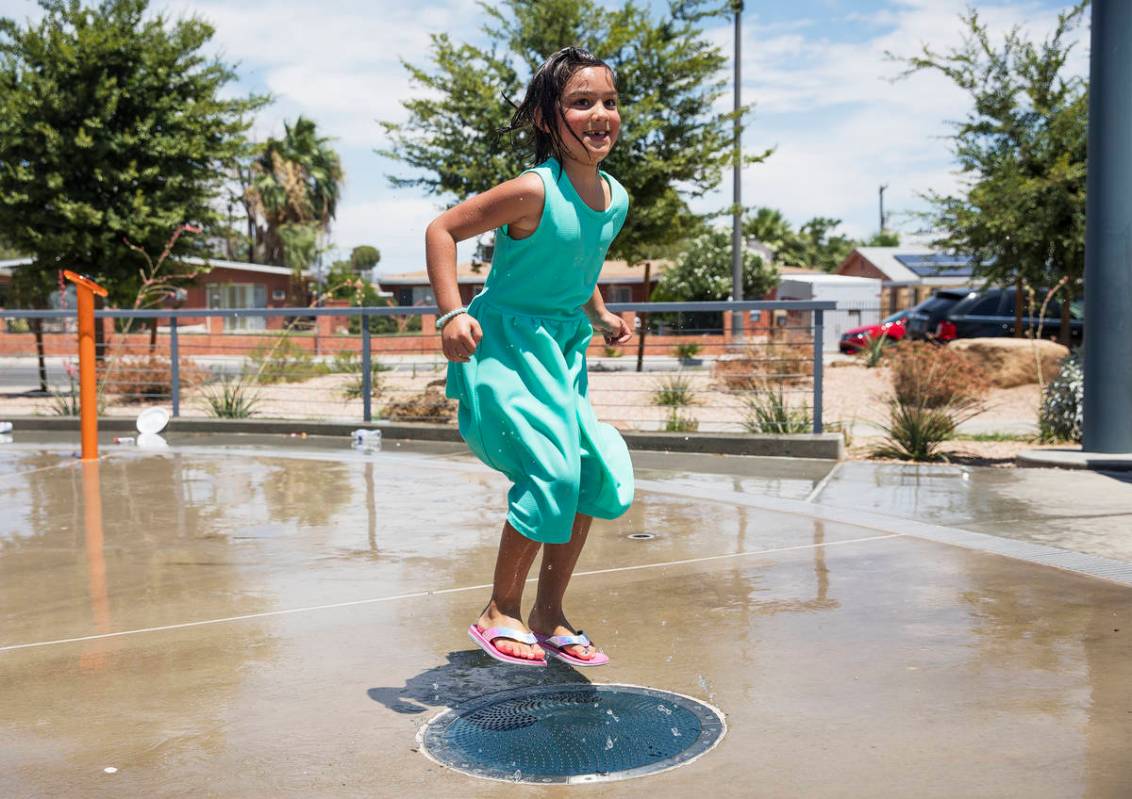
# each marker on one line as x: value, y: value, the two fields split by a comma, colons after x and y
x: 1076, y: 459
x: 826, y: 446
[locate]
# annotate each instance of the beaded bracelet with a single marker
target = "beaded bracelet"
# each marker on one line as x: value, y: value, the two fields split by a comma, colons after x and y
x: 444, y: 319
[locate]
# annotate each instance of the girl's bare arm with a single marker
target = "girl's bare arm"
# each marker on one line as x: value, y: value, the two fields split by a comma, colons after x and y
x: 516, y: 203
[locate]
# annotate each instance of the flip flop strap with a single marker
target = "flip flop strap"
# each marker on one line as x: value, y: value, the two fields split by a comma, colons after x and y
x: 559, y: 641
x: 492, y: 633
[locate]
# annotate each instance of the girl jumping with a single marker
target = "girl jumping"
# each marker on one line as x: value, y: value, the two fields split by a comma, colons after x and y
x: 517, y: 352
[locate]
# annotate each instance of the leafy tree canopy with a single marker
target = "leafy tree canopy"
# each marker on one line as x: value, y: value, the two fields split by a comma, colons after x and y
x: 703, y: 271
x: 364, y: 257
x: 113, y: 126
x: 815, y: 244
x: 674, y: 143
x: 1022, y: 153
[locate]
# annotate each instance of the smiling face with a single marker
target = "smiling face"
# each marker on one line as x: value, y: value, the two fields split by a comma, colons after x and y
x: 590, y: 119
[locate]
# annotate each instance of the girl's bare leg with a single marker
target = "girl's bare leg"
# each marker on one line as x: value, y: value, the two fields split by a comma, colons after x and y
x: 558, y: 562
x: 516, y: 553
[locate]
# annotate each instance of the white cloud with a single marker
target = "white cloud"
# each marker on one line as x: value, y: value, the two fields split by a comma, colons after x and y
x: 841, y: 123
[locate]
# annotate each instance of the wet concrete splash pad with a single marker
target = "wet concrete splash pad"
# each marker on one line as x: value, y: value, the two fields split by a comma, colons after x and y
x: 574, y: 733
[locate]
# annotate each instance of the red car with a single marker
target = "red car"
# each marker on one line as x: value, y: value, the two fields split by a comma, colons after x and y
x: 857, y: 339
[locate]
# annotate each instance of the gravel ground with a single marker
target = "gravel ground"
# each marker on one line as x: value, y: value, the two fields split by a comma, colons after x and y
x: 853, y: 396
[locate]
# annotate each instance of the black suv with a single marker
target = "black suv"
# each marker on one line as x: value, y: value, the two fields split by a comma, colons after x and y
x: 991, y: 313
x: 925, y: 317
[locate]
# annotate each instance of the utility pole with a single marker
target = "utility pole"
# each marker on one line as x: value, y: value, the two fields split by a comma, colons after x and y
x: 737, y: 198
x: 883, y: 220
x: 1108, y: 257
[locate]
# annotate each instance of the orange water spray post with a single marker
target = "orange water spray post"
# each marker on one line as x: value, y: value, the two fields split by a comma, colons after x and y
x: 85, y: 289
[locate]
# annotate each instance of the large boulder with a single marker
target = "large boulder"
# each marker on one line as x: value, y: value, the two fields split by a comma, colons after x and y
x: 1011, y: 362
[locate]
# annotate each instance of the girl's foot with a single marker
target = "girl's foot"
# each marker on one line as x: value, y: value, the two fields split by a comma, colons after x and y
x: 493, y: 617
x: 550, y: 627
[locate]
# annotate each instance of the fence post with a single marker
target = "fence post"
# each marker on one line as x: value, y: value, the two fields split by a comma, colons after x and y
x: 818, y: 340
x: 367, y: 378
x: 174, y: 357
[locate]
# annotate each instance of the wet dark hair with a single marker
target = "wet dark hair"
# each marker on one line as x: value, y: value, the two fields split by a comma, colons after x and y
x: 544, y: 101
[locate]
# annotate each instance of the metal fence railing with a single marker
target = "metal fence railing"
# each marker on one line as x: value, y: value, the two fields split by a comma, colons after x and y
x: 685, y: 370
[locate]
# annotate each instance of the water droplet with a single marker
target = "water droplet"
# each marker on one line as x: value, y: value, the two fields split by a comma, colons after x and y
x: 664, y: 710
x: 517, y: 776
x: 110, y: 770
x: 611, y: 713
x: 608, y: 743
x: 675, y: 733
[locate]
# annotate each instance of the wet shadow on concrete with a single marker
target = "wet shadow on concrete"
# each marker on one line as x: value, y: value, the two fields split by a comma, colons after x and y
x: 468, y: 674
x: 1121, y: 477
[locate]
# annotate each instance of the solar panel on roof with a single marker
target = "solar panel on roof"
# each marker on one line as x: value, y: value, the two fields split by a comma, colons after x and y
x: 938, y: 265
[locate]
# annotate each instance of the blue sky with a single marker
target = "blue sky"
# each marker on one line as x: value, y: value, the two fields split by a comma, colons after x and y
x: 816, y: 70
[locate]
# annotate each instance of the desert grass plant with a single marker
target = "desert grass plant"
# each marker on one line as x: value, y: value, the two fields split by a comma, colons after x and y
x: 67, y: 403
x: 874, y: 350
x: 934, y: 390
x: 674, y: 391
x: 766, y: 410
x: 231, y: 399
x: 679, y: 423
x: 283, y: 361
x: 350, y: 363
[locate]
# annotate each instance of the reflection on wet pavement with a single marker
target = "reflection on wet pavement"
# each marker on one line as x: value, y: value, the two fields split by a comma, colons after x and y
x: 278, y: 622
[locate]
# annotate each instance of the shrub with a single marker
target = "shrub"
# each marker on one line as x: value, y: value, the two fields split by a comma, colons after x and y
x: 782, y: 362
x: 283, y: 361
x: 766, y: 411
x: 233, y: 399
x: 686, y: 351
x: 1063, y: 403
x: 935, y: 389
x: 147, y: 378
x: 678, y: 423
x: 931, y: 376
x: 431, y: 405
x: 674, y: 391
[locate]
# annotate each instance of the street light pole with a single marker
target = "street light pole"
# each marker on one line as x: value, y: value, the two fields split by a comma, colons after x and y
x: 882, y: 219
x: 737, y: 194
x: 1108, y: 233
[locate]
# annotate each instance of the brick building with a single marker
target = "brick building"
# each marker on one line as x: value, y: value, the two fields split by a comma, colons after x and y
x: 909, y: 273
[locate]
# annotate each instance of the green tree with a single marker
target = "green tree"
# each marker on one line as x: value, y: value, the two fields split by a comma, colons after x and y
x: 815, y: 244
x: 703, y: 271
x: 364, y: 257
x: 293, y: 187
x: 674, y: 143
x: 1022, y: 153
x: 114, y: 126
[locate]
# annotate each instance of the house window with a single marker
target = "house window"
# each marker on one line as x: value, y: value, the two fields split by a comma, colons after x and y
x: 422, y: 295
x: 222, y: 296
x: 278, y: 295
x: 620, y: 293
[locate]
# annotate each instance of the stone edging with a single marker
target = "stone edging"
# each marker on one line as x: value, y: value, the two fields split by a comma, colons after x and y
x: 826, y: 446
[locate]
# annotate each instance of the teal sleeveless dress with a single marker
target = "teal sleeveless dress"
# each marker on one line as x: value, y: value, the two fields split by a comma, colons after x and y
x: 524, y: 406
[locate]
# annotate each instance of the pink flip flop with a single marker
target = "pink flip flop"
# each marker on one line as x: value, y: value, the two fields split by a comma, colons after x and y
x: 486, y: 640
x: 553, y: 644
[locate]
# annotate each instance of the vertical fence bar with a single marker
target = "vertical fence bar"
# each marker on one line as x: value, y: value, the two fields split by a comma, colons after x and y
x: 174, y: 358
x: 819, y: 338
x: 367, y: 377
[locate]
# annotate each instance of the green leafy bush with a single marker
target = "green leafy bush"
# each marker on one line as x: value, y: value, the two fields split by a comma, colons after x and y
x: 1063, y: 403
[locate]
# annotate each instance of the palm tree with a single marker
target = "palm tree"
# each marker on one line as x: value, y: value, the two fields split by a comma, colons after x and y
x: 292, y: 193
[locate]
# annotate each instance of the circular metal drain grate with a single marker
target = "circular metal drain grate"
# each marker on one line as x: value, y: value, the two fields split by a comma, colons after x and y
x: 572, y: 733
